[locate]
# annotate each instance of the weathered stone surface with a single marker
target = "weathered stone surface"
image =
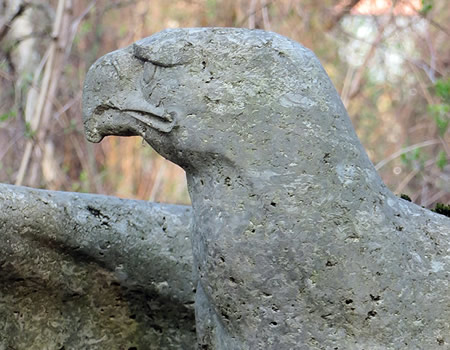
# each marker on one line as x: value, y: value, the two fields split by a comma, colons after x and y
x: 82, y: 271
x: 297, y: 242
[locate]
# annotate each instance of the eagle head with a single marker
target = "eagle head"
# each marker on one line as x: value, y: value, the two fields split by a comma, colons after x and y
x: 206, y: 92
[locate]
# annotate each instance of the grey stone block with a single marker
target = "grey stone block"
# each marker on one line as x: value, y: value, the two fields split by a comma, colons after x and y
x: 81, y: 271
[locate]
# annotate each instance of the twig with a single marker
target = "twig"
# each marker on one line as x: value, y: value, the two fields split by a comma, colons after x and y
x: 252, y: 11
x: 356, y: 83
x: 340, y: 11
x: 35, y: 123
x: 6, y: 76
x: 411, y: 175
x: 76, y: 23
x: 445, y: 145
x: 424, y: 193
x: 346, y: 86
x: 424, y: 89
x: 435, y: 197
x: 432, y: 64
x: 432, y: 22
x: 158, y: 181
x: 406, y: 150
x: 120, y: 4
x: 251, y: 16
x: 9, y: 145
x: 423, y: 66
x: 265, y: 14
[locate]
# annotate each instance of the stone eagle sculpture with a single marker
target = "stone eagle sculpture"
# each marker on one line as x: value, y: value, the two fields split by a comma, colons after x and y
x: 297, y: 242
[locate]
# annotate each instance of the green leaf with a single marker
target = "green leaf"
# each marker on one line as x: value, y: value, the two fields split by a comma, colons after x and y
x: 8, y: 115
x: 441, y: 160
x: 83, y: 176
x: 416, y: 154
x: 427, y: 5
x: 85, y: 27
x: 441, y: 114
x: 29, y: 133
x: 442, y: 88
x: 404, y: 158
x: 439, y: 109
x: 123, y: 30
x: 442, y: 124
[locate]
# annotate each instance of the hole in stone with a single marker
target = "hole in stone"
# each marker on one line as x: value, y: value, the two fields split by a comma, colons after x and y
x: 371, y: 313
x: 375, y: 298
x: 94, y: 211
x: 348, y: 301
x: 273, y: 323
x: 232, y: 280
x: 273, y: 204
x: 133, y: 317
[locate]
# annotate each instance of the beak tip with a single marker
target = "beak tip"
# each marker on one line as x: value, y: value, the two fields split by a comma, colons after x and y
x: 94, y: 139
x: 93, y: 135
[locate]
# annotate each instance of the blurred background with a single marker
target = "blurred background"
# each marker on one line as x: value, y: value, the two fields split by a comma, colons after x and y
x: 389, y: 61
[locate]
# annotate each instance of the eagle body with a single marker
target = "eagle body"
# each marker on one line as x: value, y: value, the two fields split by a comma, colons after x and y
x: 297, y: 242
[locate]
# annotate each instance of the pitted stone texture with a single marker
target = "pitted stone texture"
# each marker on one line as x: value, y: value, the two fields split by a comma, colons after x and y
x: 93, y: 272
x: 297, y: 243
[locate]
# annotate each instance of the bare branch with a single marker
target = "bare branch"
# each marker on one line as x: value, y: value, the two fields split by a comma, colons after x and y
x: 355, y: 86
x: 340, y: 11
x: 405, y: 150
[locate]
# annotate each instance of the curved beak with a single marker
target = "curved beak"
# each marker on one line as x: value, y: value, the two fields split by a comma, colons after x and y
x: 113, y: 103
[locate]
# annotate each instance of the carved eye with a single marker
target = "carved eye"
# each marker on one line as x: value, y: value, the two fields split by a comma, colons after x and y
x: 149, y: 72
